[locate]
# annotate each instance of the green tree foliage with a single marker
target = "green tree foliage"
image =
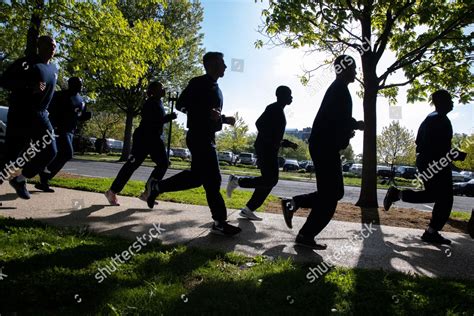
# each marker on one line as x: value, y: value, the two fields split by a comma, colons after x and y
x: 174, y: 56
x: 87, y: 32
x: 428, y: 39
x: 178, y: 135
x: 301, y: 153
x: 465, y: 143
x: 348, y: 153
x: 250, y: 147
x: 113, y: 50
x: 117, y: 46
x: 183, y: 19
x: 104, y: 124
x: 396, y: 145
x: 234, y: 138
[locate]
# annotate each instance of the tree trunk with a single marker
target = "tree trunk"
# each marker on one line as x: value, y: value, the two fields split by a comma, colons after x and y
x: 127, y: 138
x: 368, y: 193
x: 33, y: 30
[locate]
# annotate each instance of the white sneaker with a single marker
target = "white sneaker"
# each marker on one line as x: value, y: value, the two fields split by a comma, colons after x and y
x: 112, y: 198
x: 232, y: 185
x: 249, y: 214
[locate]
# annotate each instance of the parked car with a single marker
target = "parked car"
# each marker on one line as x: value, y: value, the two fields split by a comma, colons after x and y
x: 384, y: 171
x: 247, y: 159
x: 3, y: 130
x: 291, y: 165
x: 356, y: 169
x: 346, y: 166
x: 281, y: 161
x: 468, y: 174
x: 227, y: 156
x: 303, y: 163
x: 115, y: 145
x: 406, y: 172
x: 464, y: 188
x: 457, y: 177
x: 307, y: 165
x: 182, y: 153
x: 83, y: 144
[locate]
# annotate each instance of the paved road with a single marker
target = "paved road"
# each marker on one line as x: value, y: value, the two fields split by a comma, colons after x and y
x: 283, y: 188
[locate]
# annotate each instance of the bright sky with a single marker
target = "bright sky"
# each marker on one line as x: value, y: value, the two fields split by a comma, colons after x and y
x: 230, y: 26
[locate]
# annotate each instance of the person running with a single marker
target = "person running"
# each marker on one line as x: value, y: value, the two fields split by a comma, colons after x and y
x: 146, y: 141
x: 65, y: 111
x: 29, y: 138
x: 433, y: 160
x: 202, y: 101
x: 271, y: 127
x: 332, y: 129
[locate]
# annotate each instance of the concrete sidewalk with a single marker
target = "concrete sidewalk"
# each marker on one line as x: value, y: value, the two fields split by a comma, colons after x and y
x: 375, y: 247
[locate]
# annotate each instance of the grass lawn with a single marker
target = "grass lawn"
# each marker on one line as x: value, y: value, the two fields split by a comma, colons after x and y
x: 465, y: 216
x: 177, y: 163
x: 135, y: 188
x: 345, y: 212
x: 51, y: 271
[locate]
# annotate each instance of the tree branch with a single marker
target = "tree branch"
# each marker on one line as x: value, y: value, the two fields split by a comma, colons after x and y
x: 381, y: 87
x: 354, y: 11
x: 355, y: 46
x: 417, y: 53
x: 382, y: 41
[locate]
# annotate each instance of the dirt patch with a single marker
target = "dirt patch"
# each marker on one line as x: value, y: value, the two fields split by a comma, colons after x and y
x: 397, y: 216
x: 65, y: 175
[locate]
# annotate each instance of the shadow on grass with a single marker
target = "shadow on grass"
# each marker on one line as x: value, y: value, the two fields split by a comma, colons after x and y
x: 418, y: 295
x: 182, y: 280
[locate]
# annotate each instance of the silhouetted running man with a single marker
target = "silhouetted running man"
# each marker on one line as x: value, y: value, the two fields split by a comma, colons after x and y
x: 202, y: 101
x: 271, y: 127
x: 433, y: 160
x: 65, y: 111
x: 146, y: 141
x: 332, y: 129
x: 30, y: 139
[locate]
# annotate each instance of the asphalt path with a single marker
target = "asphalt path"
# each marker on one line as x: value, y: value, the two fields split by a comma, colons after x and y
x: 284, y: 188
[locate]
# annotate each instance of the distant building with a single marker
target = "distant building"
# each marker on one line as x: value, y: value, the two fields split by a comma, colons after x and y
x: 301, y: 134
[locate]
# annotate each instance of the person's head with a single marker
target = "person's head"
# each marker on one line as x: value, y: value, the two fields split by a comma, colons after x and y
x: 283, y: 94
x: 442, y: 101
x: 74, y: 84
x: 345, y: 67
x: 46, y: 47
x: 214, y: 64
x: 155, y: 89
